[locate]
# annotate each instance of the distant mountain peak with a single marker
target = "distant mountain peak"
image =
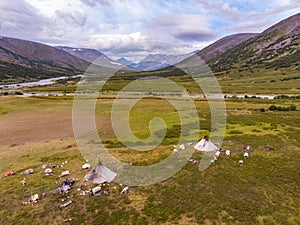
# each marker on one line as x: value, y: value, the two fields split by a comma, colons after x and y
x: 159, y: 61
x: 125, y: 62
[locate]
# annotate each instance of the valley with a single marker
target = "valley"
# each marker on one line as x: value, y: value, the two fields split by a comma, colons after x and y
x: 258, y: 75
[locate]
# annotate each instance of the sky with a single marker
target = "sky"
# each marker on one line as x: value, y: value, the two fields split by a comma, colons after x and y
x: 138, y: 27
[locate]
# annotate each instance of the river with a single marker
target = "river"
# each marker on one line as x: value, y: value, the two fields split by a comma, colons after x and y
x: 42, y: 82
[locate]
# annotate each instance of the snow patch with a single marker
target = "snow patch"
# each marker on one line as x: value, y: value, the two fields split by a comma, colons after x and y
x: 115, y: 63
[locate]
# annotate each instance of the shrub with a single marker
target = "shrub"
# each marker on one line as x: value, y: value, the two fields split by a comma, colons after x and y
x: 235, y: 132
x: 292, y: 108
x: 280, y: 108
x: 262, y: 110
x: 272, y: 108
x: 18, y: 93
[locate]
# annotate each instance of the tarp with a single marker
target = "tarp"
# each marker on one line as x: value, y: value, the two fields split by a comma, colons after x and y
x: 100, y: 174
x: 8, y: 174
x: 86, y: 166
x: 27, y: 172
x: 205, y: 145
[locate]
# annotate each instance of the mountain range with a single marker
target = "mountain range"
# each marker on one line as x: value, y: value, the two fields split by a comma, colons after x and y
x: 276, y: 47
x: 25, y: 60
x: 159, y: 61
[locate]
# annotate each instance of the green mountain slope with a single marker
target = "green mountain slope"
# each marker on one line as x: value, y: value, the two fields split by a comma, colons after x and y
x: 276, y: 47
x: 223, y: 45
x: 22, y: 60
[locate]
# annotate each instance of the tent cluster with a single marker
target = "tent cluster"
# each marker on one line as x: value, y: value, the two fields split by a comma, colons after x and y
x: 205, y: 145
x: 96, y: 182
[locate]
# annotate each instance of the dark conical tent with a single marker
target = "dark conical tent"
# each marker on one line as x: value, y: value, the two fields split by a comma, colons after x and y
x: 100, y: 174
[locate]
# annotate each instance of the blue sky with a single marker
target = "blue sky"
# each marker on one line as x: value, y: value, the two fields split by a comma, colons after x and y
x: 109, y: 24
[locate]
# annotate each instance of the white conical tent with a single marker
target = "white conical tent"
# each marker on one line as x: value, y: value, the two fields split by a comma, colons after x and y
x: 100, y: 174
x: 205, y: 145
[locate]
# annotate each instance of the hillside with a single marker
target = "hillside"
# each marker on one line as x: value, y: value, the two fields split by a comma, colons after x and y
x: 24, y: 60
x: 223, y: 45
x: 86, y: 54
x: 277, y: 47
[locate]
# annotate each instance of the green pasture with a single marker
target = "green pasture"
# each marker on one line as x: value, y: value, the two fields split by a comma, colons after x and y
x: 265, y: 190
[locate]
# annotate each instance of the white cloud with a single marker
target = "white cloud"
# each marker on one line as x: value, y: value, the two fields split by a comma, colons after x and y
x: 95, y: 2
x: 75, y: 17
x: 220, y: 8
x: 107, y: 24
x: 106, y: 42
x: 262, y: 14
x: 19, y: 19
x: 251, y: 26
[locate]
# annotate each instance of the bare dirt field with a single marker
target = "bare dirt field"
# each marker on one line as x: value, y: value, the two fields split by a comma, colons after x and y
x: 38, y: 121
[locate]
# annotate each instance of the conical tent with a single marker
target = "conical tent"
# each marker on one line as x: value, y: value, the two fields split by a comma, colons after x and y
x: 100, y: 174
x: 205, y: 145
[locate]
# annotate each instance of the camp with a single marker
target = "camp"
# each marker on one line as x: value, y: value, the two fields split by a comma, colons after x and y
x: 100, y: 174
x: 205, y: 145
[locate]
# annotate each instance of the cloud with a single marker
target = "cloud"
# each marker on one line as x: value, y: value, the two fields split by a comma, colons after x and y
x: 136, y: 51
x: 184, y: 27
x: 75, y: 17
x: 107, y: 42
x: 109, y: 24
x: 221, y: 8
x: 251, y: 26
x: 262, y: 15
x: 134, y: 46
x: 19, y: 19
x: 193, y: 34
x: 95, y: 2
x: 277, y: 9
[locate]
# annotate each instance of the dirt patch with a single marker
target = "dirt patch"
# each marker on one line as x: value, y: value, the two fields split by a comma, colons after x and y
x: 35, y: 126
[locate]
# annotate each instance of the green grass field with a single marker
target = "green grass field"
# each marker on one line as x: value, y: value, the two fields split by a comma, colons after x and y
x: 265, y: 190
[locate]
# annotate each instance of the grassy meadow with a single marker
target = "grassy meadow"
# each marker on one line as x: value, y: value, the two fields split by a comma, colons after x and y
x: 265, y: 190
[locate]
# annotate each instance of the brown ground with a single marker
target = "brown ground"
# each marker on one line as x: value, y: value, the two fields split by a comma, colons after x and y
x: 35, y: 125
